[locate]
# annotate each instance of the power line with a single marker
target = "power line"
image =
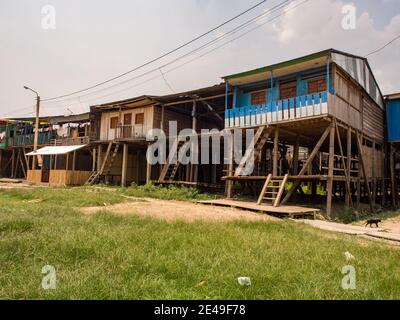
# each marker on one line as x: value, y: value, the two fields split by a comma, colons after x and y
x: 206, y: 53
x: 226, y: 34
x: 386, y: 45
x: 202, y: 55
x: 163, y: 55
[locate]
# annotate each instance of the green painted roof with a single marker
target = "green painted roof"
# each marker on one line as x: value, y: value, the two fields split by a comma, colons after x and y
x: 279, y: 65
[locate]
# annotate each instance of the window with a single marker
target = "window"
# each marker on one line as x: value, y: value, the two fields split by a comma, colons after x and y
x: 113, y: 122
x: 288, y: 90
x: 316, y: 86
x: 258, y: 98
x: 139, y: 118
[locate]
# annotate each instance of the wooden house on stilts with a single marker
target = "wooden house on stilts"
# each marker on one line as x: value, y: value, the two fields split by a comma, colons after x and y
x: 318, y: 121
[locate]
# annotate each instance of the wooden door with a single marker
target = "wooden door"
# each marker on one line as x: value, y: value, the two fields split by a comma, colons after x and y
x: 127, y: 125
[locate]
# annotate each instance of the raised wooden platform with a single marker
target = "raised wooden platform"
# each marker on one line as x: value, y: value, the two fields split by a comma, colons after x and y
x: 282, y: 211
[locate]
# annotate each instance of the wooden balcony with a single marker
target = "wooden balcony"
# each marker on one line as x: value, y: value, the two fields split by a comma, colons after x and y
x: 130, y: 132
x: 292, y: 109
x: 70, y: 141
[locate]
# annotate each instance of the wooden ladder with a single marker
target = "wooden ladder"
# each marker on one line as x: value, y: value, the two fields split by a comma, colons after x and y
x: 94, y: 177
x: 259, y: 140
x: 169, y: 170
x: 273, y: 190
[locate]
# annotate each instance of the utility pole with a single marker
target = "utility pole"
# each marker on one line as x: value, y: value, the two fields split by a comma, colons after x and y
x: 36, y: 138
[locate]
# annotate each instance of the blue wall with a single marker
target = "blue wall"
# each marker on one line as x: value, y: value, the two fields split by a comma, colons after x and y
x: 393, y: 120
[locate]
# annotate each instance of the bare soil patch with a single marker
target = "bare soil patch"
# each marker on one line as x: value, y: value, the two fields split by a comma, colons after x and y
x: 171, y: 210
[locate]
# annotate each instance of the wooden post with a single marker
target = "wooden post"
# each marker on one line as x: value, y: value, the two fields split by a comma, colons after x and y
x: 296, y: 151
x: 309, y: 160
x: 194, y: 167
x: 384, y: 175
x: 67, y: 162
x: 373, y: 173
x: 73, y: 161
x: 345, y: 168
x: 276, y: 151
x: 13, y: 163
x: 359, y: 144
x: 124, y: 164
x: 94, y: 160
x: 330, y: 170
x: 230, y: 165
x: 148, y: 171
x: 138, y: 166
x: 1, y: 163
x: 348, y: 191
x: 393, y: 177
x: 99, y: 157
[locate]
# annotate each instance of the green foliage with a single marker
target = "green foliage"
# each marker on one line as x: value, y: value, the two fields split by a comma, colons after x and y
x: 107, y: 256
x: 171, y: 192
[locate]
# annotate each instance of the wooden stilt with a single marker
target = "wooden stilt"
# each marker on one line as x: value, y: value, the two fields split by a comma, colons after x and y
x: 124, y: 164
x: 276, y: 152
x: 309, y: 160
x: 148, y: 172
x: 348, y: 191
x: 359, y: 145
x: 393, y: 178
x: 296, y: 150
x: 230, y: 165
x: 345, y: 166
x: 373, y: 173
x: 329, y: 184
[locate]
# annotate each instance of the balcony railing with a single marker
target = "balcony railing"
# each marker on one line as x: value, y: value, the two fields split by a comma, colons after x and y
x: 282, y: 110
x: 70, y: 141
x: 130, y: 132
x: 28, y: 139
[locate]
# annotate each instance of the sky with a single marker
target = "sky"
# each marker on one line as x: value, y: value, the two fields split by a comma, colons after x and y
x: 95, y: 40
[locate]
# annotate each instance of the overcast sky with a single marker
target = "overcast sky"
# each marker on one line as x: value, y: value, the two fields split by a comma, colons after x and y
x: 94, y: 40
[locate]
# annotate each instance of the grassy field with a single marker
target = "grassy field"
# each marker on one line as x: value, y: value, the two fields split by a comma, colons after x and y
x: 104, y: 256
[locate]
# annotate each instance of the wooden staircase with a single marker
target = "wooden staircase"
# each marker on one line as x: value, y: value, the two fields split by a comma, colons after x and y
x: 95, y: 176
x: 259, y: 140
x: 169, y: 170
x: 272, y: 190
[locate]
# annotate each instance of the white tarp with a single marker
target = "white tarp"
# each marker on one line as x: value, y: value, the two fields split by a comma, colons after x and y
x: 52, y: 150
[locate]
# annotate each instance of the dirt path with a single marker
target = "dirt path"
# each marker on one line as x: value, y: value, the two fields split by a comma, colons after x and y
x: 178, y: 210
x: 382, y: 232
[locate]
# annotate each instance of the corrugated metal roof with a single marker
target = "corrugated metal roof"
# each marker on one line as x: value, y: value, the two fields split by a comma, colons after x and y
x: 53, y: 150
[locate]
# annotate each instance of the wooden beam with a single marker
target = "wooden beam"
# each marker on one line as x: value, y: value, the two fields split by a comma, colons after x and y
x: 74, y: 161
x: 276, y: 152
x: 393, y: 177
x: 373, y: 172
x: 296, y: 150
x: 308, y: 162
x: 348, y: 191
x: 329, y: 185
x: 148, y: 171
x: 345, y: 166
x: 94, y: 159
x: 281, y: 190
x: 264, y: 189
x: 359, y: 145
x: 124, y: 164
x: 229, y: 184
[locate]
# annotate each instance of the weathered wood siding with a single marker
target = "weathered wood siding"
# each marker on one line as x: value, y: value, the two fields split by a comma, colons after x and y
x: 68, y: 178
x: 352, y: 106
x: 106, y: 133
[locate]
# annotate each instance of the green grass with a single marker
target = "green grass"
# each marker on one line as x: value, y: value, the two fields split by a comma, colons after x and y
x: 106, y: 256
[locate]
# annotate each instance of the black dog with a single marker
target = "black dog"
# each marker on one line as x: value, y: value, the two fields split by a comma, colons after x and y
x: 373, y: 221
